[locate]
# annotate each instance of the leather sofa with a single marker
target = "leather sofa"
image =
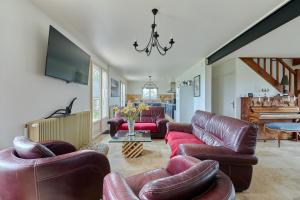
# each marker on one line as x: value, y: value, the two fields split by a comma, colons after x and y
x: 184, y: 178
x: 152, y: 120
x: 50, y: 170
x: 230, y: 141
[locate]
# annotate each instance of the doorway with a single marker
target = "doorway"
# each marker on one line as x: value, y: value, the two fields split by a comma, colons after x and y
x: 223, y: 92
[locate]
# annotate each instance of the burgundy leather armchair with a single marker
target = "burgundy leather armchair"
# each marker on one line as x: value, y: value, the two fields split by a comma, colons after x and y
x: 152, y: 120
x: 51, y: 170
x: 229, y: 141
x: 184, y: 178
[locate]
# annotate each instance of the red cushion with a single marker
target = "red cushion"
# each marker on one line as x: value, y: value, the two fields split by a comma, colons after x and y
x: 174, y: 144
x: 141, y: 126
x: 174, y: 135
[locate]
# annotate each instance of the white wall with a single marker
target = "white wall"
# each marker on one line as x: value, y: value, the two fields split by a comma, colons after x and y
x: 135, y: 87
x: 26, y: 93
x: 246, y: 81
x: 204, y: 101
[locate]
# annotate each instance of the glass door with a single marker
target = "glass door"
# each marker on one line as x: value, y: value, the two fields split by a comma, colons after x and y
x: 96, y: 99
x: 104, y: 103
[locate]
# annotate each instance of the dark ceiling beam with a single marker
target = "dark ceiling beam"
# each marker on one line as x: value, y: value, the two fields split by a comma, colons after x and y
x: 284, y: 14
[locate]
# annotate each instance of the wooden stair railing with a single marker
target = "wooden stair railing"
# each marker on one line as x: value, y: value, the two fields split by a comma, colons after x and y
x: 272, y: 70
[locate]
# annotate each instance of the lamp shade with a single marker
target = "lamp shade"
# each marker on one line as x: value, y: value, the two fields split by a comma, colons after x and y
x: 285, y: 80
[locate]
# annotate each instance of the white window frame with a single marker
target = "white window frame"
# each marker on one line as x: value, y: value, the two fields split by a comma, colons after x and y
x: 98, y: 69
x: 123, y: 94
x: 105, y: 83
x: 99, y: 124
x: 149, y: 91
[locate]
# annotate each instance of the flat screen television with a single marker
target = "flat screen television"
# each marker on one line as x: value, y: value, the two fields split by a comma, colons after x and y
x: 65, y: 60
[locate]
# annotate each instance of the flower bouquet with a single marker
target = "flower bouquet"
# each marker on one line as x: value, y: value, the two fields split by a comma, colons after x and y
x: 131, y: 113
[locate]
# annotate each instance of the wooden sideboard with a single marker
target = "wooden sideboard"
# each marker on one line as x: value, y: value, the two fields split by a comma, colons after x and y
x: 75, y: 129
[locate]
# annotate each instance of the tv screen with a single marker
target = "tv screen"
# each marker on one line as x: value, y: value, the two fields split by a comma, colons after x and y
x: 65, y: 60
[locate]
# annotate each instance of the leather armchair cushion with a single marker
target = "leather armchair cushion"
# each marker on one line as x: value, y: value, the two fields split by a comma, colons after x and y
x: 180, y: 163
x: 27, y: 149
x: 201, y: 118
x: 141, y: 126
x: 59, y: 147
x: 185, y: 185
x: 237, y: 135
x: 115, y: 187
x: 138, y: 181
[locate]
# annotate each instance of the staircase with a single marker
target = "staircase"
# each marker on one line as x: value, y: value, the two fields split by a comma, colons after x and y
x: 272, y: 70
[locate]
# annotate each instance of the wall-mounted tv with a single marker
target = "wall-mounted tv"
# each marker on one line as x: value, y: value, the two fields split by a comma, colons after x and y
x: 65, y: 60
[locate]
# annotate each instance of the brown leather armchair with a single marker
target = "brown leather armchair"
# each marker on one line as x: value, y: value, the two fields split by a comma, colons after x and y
x: 152, y: 120
x: 51, y: 170
x: 229, y: 141
x: 184, y: 178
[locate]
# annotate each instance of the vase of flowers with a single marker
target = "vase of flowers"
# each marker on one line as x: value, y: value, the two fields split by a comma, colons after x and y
x: 131, y: 113
x: 130, y: 127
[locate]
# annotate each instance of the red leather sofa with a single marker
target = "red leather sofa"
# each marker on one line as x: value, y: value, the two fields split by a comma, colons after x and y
x: 152, y: 120
x: 184, y: 178
x: 230, y: 141
x: 51, y: 170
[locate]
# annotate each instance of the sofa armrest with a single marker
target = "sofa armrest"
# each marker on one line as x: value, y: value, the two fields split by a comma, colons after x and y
x: 161, y: 121
x: 161, y: 124
x: 117, y: 120
x: 182, y: 127
x: 59, y: 147
x: 219, y: 153
x: 114, y: 124
x: 115, y: 187
x: 83, y: 171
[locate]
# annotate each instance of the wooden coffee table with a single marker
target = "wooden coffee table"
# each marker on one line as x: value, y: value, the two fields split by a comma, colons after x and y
x: 132, y: 145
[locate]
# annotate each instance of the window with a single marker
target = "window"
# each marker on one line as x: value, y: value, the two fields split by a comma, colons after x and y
x: 99, y: 99
x: 149, y: 93
x: 104, y: 94
x: 123, y: 94
x: 96, y: 93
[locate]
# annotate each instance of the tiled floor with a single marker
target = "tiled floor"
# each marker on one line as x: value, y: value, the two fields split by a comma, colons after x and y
x: 276, y: 177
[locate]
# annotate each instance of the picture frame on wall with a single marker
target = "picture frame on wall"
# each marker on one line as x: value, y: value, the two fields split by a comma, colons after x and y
x: 115, y: 88
x: 197, y: 86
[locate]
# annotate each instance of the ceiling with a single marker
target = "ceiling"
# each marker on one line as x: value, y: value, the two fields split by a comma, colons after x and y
x: 199, y: 27
x: 282, y: 42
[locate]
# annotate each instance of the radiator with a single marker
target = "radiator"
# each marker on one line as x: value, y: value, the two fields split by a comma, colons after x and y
x: 75, y: 129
